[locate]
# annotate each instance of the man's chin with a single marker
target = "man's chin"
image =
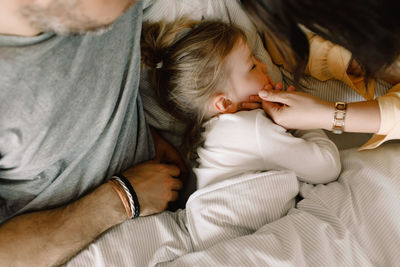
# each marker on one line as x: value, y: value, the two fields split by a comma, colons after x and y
x: 65, y: 24
x: 79, y: 31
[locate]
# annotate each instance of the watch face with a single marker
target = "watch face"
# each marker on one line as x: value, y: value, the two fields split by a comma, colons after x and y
x: 340, y: 106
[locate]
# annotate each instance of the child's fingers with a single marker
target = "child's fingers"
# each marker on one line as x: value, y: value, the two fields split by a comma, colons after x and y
x: 279, y: 86
x: 254, y: 98
x: 271, y: 81
x: 290, y: 89
x: 268, y: 87
x: 249, y: 105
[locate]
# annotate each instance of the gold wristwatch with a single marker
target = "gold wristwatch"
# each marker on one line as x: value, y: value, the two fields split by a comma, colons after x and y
x: 338, y: 119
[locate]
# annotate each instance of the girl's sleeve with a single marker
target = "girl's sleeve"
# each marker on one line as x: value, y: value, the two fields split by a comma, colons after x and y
x: 312, y: 156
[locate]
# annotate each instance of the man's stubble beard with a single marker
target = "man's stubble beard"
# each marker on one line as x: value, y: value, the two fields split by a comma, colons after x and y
x: 62, y: 17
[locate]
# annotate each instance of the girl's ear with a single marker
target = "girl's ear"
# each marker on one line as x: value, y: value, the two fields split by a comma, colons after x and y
x: 222, y: 103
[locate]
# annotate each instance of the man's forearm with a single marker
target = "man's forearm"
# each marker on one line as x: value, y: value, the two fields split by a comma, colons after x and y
x: 51, y: 237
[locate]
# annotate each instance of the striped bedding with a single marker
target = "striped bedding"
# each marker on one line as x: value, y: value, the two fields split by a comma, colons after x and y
x: 352, y: 222
x: 255, y: 220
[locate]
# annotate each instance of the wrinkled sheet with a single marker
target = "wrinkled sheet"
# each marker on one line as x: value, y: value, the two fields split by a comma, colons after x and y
x: 253, y: 220
x: 352, y: 222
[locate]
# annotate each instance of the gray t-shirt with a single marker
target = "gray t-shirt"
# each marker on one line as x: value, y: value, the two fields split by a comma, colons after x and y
x: 70, y: 114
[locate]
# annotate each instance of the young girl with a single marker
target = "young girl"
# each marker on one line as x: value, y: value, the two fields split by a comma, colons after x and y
x: 202, y: 71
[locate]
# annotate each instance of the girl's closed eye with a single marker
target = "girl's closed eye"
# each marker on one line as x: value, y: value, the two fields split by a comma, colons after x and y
x: 254, y: 62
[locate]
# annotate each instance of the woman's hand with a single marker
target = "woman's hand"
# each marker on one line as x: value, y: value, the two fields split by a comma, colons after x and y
x: 296, y: 110
x: 255, y: 102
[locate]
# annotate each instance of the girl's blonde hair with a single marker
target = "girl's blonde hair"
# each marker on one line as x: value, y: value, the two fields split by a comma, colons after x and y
x: 187, y: 60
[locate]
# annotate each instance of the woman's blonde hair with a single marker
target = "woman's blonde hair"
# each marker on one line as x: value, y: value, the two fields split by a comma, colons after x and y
x: 187, y: 60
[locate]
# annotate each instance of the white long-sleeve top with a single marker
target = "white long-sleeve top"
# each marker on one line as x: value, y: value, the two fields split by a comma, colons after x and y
x: 248, y: 141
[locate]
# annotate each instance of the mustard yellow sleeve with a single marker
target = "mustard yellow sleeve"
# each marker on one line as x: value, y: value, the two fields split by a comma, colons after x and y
x: 389, y: 106
x: 330, y: 61
x: 327, y: 60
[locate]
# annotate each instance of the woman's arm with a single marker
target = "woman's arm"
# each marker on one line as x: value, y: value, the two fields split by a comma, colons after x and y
x: 298, y: 110
x: 327, y: 61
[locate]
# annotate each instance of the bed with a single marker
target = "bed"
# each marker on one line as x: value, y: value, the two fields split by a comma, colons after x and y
x: 258, y: 219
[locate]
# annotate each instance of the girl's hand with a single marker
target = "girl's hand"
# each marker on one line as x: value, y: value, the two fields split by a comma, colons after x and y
x: 297, y: 110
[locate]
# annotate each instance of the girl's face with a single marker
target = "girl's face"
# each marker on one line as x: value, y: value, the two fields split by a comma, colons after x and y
x: 247, y: 73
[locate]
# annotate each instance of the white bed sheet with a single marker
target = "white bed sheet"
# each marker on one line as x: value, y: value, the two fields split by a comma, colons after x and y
x: 248, y: 222
x: 352, y: 222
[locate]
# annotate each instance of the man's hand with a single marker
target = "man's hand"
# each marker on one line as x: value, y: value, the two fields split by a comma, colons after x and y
x: 155, y: 185
x: 156, y: 182
x: 84, y: 219
x: 165, y: 153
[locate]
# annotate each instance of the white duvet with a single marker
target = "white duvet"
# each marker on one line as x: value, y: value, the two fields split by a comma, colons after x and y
x: 253, y: 220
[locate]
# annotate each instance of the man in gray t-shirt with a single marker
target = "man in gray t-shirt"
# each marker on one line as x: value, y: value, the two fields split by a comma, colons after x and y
x: 70, y: 118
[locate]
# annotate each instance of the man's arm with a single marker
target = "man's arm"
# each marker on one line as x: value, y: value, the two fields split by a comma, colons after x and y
x: 51, y: 237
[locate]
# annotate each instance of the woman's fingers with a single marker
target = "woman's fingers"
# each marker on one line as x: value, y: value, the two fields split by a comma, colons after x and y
x: 275, y: 96
x: 272, y: 109
x: 270, y: 94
